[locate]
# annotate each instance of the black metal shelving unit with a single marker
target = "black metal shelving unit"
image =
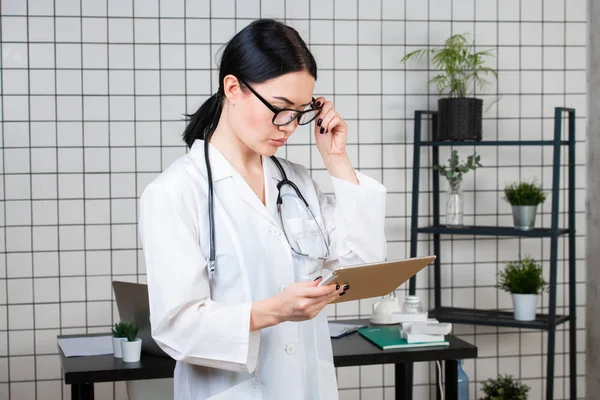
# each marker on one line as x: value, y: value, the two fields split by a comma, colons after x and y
x: 547, y: 322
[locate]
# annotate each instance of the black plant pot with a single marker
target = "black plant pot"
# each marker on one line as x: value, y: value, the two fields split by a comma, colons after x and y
x: 459, y: 119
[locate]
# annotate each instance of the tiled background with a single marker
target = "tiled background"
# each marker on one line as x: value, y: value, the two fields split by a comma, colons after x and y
x: 93, y: 93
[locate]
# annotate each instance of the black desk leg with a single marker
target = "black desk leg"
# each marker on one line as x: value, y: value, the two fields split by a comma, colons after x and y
x: 451, y: 379
x: 84, y: 391
x: 404, y: 381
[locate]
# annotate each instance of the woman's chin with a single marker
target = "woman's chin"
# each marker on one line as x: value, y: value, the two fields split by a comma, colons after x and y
x: 270, y: 149
x: 270, y: 152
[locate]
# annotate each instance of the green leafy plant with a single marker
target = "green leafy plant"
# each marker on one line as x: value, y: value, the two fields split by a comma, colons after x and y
x: 455, y: 170
x: 119, y: 331
x: 522, y: 277
x: 524, y: 194
x: 504, y: 388
x: 130, y: 329
x: 461, y: 69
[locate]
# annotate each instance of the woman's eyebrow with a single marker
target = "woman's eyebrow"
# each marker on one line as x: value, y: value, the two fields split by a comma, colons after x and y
x: 288, y: 101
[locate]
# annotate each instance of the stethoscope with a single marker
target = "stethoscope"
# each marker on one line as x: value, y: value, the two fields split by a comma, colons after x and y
x: 211, y: 261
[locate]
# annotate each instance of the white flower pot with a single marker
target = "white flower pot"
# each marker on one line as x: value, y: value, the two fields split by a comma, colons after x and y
x: 525, y: 306
x: 116, y: 342
x: 131, y: 350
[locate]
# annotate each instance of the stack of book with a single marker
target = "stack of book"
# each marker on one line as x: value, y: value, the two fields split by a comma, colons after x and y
x: 424, y: 333
x: 429, y: 331
x: 402, y: 317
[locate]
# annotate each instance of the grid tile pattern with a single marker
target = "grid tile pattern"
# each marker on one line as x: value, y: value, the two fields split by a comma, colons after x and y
x: 92, y: 95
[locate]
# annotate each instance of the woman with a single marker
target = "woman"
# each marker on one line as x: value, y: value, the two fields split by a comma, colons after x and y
x: 243, y: 319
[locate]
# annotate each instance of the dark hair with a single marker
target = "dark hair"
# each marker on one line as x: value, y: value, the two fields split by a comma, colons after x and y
x: 263, y: 50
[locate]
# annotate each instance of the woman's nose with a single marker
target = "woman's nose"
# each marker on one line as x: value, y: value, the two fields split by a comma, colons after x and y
x: 289, y: 128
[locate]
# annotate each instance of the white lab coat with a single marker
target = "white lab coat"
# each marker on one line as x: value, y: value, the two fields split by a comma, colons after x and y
x: 205, y: 327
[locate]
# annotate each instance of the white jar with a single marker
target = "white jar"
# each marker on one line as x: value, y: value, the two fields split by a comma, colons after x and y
x: 412, y: 305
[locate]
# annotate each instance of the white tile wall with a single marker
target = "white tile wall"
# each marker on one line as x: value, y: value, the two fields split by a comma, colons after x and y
x: 92, y: 94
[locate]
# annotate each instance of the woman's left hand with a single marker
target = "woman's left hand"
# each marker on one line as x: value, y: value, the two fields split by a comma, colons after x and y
x: 331, y: 131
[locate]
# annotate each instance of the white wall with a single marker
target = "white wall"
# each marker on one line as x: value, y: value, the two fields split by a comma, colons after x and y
x: 92, y: 98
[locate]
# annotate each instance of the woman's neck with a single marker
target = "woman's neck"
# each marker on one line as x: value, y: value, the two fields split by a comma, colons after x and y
x: 240, y: 156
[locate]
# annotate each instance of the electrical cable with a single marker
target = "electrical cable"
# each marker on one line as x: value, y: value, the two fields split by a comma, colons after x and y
x: 439, y: 368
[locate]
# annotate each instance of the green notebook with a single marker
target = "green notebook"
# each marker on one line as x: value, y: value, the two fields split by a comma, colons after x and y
x: 388, y: 337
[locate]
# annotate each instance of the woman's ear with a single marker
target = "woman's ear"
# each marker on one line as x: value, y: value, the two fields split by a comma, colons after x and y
x: 231, y: 88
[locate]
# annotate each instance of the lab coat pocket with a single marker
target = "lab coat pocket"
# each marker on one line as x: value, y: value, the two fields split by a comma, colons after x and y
x: 311, y: 267
x: 249, y: 389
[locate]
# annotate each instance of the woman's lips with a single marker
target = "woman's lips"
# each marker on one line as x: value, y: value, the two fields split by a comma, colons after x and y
x: 278, y: 142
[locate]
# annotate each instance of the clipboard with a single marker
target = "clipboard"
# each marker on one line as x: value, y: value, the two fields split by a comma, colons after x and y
x: 340, y: 329
x: 375, y: 279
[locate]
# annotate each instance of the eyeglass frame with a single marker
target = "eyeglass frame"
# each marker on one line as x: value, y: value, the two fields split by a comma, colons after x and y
x: 277, y: 110
x: 285, y: 181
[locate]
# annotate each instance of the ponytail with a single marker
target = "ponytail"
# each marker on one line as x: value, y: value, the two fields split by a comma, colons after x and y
x: 204, y: 121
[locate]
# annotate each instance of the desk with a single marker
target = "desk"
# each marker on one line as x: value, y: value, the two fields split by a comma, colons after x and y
x: 352, y: 350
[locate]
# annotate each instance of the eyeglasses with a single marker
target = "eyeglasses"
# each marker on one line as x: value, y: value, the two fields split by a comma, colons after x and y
x: 284, y: 116
x: 299, y: 225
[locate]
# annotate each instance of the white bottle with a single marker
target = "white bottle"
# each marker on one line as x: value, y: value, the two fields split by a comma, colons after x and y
x: 412, y: 305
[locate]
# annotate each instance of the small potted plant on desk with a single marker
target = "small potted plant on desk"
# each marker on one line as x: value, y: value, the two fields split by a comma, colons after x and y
x: 523, y: 280
x: 454, y: 174
x: 119, y: 335
x: 132, y: 347
x: 524, y: 198
x: 461, y: 71
x: 504, y: 388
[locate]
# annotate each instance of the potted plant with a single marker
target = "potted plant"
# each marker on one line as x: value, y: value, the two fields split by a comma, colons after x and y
x: 454, y: 172
x: 461, y: 72
x: 132, y: 347
x: 524, y: 198
x: 504, y: 388
x: 119, y: 335
x: 523, y: 280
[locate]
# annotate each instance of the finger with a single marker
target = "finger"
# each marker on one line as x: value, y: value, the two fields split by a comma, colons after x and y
x: 325, y: 108
x: 324, y: 119
x: 315, y: 292
x: 318, y: 304
x: 324, y: 300
x: 319, y: 101
x: 313, y: 283
x: 334, y: 294
x: 331, y: 297
x: 335, y: 121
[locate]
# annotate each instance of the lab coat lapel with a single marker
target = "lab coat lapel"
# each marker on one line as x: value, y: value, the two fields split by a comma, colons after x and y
x: 219, y: 166
x: 221, y: 169
x: 249, y: 197
x: 267, y: 210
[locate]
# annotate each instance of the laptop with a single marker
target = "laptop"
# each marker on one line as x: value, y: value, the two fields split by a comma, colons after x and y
x: 133, y: 304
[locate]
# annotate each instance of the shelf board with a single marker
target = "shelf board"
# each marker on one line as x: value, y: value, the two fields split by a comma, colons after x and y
x: 490, y: 231
x: 470, y: 316
x: 492, y: 143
